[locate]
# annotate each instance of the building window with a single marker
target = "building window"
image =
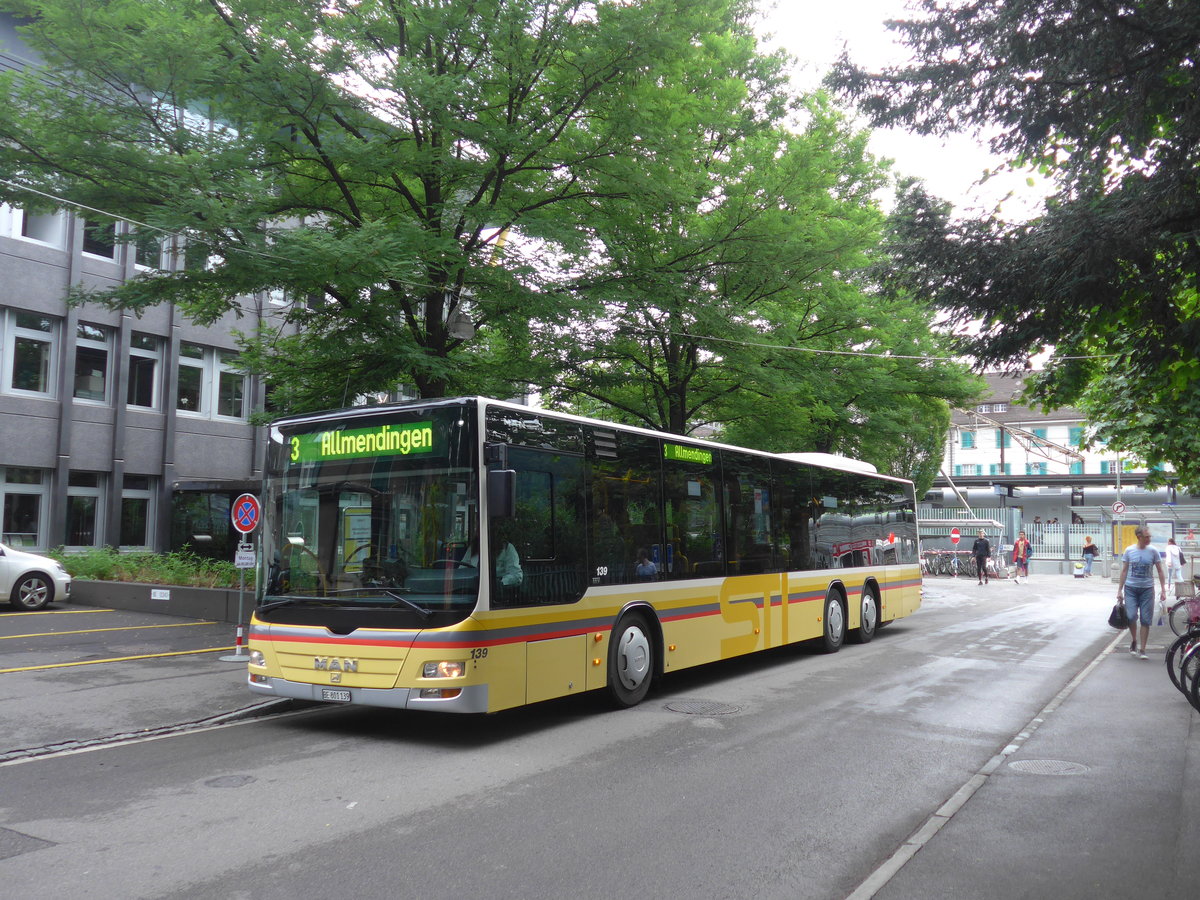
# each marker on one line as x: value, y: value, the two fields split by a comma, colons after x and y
x: 45, y: 228
x: 1075, y: 436
x: 984, y: 408
x: 91, y: 362
x: 1037, y: 468
x: 100, y: 239
x: 137, y: 511
x: 1077, y: 467
x: 84, y: 508
x: 145, y: 357
x: 968, y: 439
x: 231, y: 386
x: 997, y: 469
x: 148, y: 250
x: 999, y: 407
x: 190, y: 396
x: 29, y: 344
x: 1003, y: 438
x: 209, y: 383
x: 24, y: 492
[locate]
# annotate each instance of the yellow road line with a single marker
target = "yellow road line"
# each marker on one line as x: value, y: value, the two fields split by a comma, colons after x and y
x: 96, y: 662
x: 55, y: 612
x: 9, y: 637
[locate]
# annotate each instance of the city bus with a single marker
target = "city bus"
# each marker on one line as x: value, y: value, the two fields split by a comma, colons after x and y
x: 471, y: 555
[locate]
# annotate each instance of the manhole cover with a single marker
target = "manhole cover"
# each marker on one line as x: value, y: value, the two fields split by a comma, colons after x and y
x: 701, y: 708
x: 1048, y: 767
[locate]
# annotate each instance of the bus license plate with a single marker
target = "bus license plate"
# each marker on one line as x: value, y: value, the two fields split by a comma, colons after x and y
x: 335, y: 696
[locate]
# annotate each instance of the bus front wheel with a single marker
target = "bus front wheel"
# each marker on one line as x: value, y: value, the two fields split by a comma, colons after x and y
x: 630, y: 661
x: 835, y: 623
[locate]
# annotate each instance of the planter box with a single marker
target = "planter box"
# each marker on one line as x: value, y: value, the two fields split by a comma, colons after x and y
x: 218, y: 604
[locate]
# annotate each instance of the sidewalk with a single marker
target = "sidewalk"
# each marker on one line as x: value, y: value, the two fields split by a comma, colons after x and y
x: 1101, y: 800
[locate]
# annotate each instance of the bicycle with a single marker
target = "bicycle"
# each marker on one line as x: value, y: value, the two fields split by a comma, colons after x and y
x: 1183, y: 613
x: 1183, y: 664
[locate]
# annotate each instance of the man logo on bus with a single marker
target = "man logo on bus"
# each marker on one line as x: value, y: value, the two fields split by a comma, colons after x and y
x: 334, y: 664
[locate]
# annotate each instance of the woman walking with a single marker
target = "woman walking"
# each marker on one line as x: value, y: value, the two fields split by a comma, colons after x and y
x: 1090, y: 552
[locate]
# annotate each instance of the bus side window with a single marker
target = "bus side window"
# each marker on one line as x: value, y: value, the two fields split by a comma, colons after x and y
x: 545, y: 535
x: 626, y: 500
x: 694, y: 528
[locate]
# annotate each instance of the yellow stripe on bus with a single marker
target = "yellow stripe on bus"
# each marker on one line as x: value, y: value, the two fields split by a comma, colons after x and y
x: 96, y: 662
x: 9, y: 637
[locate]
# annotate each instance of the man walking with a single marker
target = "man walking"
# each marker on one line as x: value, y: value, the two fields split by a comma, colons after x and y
x: 1021, y: 551
x: 982, y: 550
x: 1135, y: 588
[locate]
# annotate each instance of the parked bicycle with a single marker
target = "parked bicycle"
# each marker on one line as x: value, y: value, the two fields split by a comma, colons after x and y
x: 1183, y: 613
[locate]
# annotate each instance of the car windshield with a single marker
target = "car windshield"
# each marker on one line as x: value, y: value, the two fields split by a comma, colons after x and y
x: 374, y: 514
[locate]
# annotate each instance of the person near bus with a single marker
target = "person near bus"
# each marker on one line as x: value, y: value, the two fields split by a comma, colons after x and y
x: 1174, y: 562
x: 982, y: 551
x: 1135, y: 587
x: 1090, y: 552
x: 1020, y: 557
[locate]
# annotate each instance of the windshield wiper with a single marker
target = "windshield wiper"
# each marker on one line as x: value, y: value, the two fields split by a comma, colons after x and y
x: 422, y: 611
x: 288, y: 601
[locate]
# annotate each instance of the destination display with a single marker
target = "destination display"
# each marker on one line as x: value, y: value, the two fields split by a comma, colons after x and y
x: 355, y: 443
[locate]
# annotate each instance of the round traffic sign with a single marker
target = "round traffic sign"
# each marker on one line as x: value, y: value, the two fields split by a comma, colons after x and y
x: 954, y: 535
x: 1118, y: 508
x: 245, y: 513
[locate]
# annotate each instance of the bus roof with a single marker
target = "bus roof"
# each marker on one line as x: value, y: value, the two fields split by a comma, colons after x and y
x: 824, y: 460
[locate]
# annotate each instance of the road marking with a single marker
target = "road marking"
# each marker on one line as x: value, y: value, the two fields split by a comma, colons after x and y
x: 96, y: 662
x: 9, y: 637
x: 249, y: 715
x: 890, y: 867
x: 55, y: 612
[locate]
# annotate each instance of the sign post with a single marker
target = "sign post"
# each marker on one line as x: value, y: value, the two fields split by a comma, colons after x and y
x: 245, y: 515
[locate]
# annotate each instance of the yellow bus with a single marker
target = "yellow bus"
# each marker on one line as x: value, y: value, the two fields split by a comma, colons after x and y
x: 471, y: 555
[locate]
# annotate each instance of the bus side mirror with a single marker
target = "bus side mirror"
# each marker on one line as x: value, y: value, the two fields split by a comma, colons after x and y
x: 502, y: 493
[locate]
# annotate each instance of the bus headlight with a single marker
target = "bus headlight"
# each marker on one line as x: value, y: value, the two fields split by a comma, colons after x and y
x: 257, y: 658
x: 444, y: 669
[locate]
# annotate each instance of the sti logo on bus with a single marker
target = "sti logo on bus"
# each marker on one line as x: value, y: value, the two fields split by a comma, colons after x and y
x: 354, y: 443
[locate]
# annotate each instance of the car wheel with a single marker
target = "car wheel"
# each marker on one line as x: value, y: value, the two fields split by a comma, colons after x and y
x: 33, y: 591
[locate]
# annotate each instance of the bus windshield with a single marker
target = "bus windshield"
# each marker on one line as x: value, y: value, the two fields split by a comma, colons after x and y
x: 374, y: 515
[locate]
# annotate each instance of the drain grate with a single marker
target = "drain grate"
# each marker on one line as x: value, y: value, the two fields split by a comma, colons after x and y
x: 1048, y: 767
x: 702, y: 708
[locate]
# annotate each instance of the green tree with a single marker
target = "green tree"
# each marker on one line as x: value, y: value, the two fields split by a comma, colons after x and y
x: 1101, y: 98
x: 727, y: 293
x: 376, y: 159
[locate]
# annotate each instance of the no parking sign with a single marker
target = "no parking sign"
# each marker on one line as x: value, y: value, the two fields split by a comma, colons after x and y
x: 245, y: 513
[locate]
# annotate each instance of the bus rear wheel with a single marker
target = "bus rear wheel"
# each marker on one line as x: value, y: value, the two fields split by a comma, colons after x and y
x: 869, y: 621
x: 835, y: 623
x: 630, y: 661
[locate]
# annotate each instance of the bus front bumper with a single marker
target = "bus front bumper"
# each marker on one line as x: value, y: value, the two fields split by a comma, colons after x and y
x: 468, y: 699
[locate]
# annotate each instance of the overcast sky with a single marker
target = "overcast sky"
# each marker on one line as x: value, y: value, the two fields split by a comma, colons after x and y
x: 816, y: 32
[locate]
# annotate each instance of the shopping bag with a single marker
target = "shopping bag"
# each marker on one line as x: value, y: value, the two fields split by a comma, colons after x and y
x: 1118, y: 619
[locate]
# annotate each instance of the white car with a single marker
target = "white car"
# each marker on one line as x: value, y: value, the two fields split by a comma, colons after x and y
x: 31, y: 581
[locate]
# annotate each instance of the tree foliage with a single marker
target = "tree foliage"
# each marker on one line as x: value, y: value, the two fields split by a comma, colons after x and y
x: 1104, y: 98
x: 617, y: 195
x: 368, y: 156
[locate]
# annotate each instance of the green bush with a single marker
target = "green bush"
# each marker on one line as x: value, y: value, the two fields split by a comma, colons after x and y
x: 181, y: 567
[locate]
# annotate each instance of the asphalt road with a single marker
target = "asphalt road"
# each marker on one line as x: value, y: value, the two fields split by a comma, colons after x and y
x: 791, y: 774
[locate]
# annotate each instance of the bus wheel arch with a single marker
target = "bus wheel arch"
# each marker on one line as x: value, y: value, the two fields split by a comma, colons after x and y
x: 833, y: 619
x: 869, y: 613
x: 634, y: 656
